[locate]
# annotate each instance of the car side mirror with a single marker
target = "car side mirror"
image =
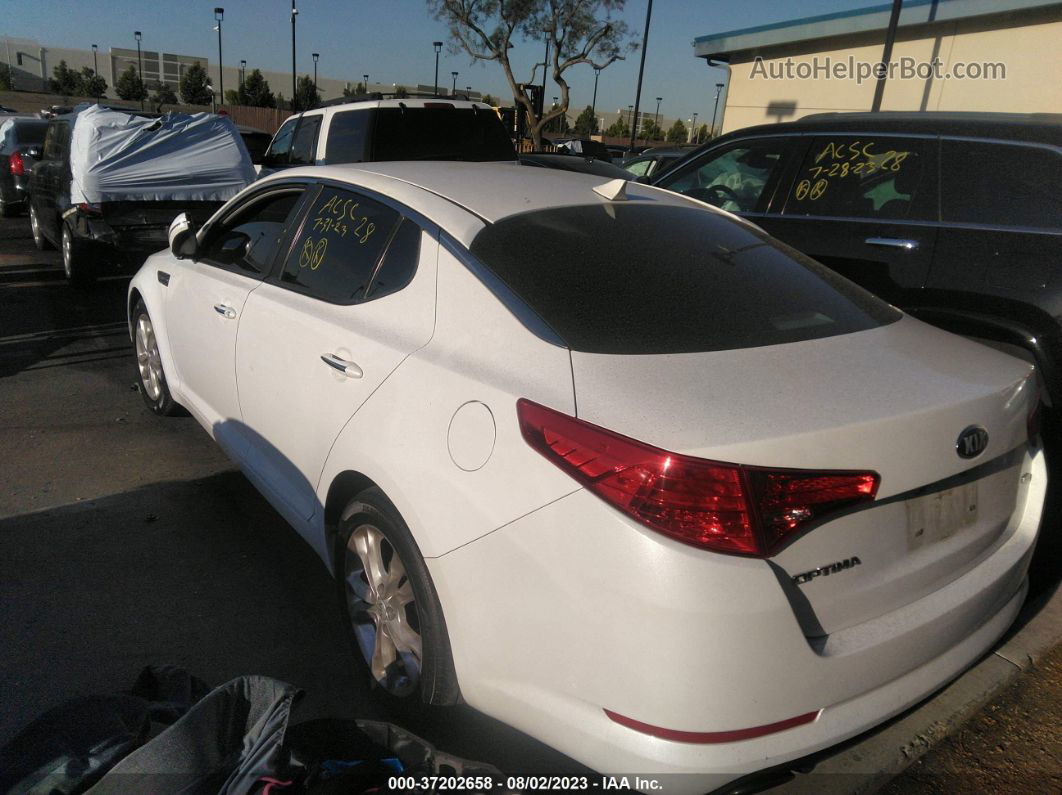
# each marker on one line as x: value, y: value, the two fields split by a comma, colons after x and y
x: 182, y: 237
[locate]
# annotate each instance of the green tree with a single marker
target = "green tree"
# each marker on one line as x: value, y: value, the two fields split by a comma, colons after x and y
x: 129, y: 85
x: 651, y: 130
x: 161, y: 95
x: 306, y: 95
x: 578, y: 32
x: 5, y: 77
x: 703, y: 136
x: 401, y: 92
x: 359, y: 90
x: 586, y: 124
x: 678, y: 133
x: 232, y: 96
x: 255, y: 91
x: 91, y: 84
x: 489, y: 100
x: 193, y: 86
x: 65, y: 81
x: 557, y: 124
x: 619, y: 128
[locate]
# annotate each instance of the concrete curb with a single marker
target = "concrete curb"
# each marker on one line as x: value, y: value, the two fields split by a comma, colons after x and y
x: 868, y: 764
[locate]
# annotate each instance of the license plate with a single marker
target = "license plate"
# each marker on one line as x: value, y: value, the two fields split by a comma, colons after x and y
x: 937, y: 516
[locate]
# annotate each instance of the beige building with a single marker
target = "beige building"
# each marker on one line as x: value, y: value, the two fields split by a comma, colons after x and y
x: 975, y: 55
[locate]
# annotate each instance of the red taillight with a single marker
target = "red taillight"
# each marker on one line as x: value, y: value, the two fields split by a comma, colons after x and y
x: 17, y: 164
x: 729, y: 508
x: 93, y: 210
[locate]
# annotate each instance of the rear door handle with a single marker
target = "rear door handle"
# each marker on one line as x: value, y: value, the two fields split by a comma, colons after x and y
x: 892, y: 242
x: 349, y: 369
x: 225, y: 311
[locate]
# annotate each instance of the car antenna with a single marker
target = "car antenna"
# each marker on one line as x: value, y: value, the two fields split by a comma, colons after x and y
x: 614, y: 190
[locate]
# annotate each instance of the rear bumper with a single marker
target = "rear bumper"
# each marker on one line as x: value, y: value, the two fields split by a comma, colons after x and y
x: 572, y: 610
x: 123, y: 247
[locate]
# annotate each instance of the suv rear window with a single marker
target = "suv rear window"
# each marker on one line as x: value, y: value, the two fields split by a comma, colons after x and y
x: 648, y: 278
x: 440, y: 133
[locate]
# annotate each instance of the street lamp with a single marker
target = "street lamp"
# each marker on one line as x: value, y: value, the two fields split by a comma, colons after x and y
x: 243, y: 78
x: 366, y: 79
x: 95, y: 68
x: 718, y: 88
x: 630, y: 119
x: 219, y: 14
x: 658, y: 101
x: 593, y: 105
x: 454, y: 89
x: 140, y: 67
x: 438, y: 48
x: 693, y: 126
x: 294, y: 88
x: 315, y: 55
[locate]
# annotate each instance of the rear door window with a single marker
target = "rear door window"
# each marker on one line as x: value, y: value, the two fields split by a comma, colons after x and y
x: 304, y: 145
x: 864, y: 177
x: 339, y: 246
x: 1001, y: 184
x: 247, y: 241
x: 641, y: 278
x: 280, y: 148
x: 399, y: 262
x: 440, y: 131
x: 739, y: 178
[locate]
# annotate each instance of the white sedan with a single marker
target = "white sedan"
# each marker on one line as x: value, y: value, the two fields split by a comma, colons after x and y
x: 610, y: 465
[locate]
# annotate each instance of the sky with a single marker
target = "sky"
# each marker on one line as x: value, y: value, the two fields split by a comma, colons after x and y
x: 391, y: 41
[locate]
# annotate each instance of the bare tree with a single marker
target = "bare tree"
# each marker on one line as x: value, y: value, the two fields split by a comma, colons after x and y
x: 579, y: 31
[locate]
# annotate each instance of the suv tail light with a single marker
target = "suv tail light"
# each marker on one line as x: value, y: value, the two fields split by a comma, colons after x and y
x: 92, y: 210
x: 17, y: 164
x: 730, y: 508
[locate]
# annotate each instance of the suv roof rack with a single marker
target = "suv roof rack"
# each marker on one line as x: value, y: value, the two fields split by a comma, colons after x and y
x: 378, y: 95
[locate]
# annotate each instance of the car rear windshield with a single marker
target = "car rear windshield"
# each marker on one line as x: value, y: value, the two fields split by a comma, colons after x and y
x: 30, y: 132
x: 440, y: 131
x: 641, y: 278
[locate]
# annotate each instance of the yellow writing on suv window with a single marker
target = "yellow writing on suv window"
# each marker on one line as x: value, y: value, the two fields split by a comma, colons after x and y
x: 840, y: 159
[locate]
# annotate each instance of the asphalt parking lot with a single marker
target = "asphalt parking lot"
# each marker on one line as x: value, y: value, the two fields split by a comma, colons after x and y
x: 126, y: 540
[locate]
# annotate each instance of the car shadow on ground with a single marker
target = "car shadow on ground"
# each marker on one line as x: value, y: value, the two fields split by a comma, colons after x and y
x: 203, y: 574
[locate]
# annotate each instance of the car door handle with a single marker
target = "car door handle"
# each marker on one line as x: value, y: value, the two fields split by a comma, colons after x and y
x: 225, y: 311
x: 349, y: 369
x: 892, y: 242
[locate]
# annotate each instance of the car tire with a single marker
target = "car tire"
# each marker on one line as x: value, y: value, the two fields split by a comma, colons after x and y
x: 150, y: 375
x: 396, y: 624
x: 79, y: 266
x: 39, y: 240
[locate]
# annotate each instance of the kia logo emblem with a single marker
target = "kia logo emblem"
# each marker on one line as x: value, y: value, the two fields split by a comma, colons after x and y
x: 972, y: 442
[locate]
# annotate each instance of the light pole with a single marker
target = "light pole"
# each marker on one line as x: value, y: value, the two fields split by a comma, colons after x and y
x: 658, y: 101
x: 95, y: 68
x: 294, y: 88
x: 454, y: 89
x: 718, y: 88
x: 693, y: 126
x: 243, y: 79
x: 366, y: 78
x: 438, y: 48
x: 593, y: 105
x: 630, y: 119
x: 641, y: 66
x: 315, y: 55
x: 140, y: 67
x: 545, y: 66
x: 219, y: 14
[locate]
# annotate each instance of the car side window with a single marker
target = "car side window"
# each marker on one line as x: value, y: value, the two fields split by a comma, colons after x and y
x: 348, y: 134
x: 305, y: 142
x: 861, y: 177
x: 399, y: 261
x: 339, y: 246
x: 735, y: 179
x: 280, y: 148
x: 54, y: 140
x: 248, y: 241
x: 1001, y: 184
x: 639, y: 167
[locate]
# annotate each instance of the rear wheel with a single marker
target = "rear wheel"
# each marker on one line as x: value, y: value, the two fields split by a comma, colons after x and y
x: 391, y: 605
x: 153, y: 387
x: 78, y: 263
x: 39, y: 240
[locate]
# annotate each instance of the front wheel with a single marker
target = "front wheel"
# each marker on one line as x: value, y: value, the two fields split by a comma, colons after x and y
x: 391, y: 604
x: 153, y: 386
x: 78, y: 265
x: 39, y: 240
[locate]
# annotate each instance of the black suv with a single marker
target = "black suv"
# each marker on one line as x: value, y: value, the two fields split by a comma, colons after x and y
x: 21, y: 143
x: 956, y: 218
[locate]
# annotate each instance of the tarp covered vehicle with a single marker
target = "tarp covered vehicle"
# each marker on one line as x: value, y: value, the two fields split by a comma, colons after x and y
x: 110, y: 182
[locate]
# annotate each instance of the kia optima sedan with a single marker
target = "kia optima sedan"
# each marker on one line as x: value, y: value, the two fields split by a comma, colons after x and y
x: 609, y: 464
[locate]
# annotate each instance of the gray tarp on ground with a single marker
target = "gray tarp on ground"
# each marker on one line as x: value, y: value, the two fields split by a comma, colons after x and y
x: 179, y: 157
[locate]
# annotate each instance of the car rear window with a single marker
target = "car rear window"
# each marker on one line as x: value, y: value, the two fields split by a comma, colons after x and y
x: 32, y: 133
x: 644, y: 278
x: 443, y: 132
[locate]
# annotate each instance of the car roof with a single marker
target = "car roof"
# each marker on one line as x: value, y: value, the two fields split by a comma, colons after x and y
x: 462, y: 197
x: 1032, y: 127
x: 408, y: 102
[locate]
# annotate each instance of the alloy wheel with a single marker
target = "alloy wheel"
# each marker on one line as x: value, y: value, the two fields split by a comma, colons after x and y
x: 147, y: 358
x: 35, y: 227
x: 68, y: 254
x: 383, y: 610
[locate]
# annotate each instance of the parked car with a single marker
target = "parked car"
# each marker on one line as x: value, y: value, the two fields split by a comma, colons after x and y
x: 581, y: 165
x: 536, y: 423
x: 390, y: 129
x: 585, y: 147
x: 956, y: 218
x: 110, y: 183
x: 257, y: 143
x: 21, y: 142
x: 655, y: 160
